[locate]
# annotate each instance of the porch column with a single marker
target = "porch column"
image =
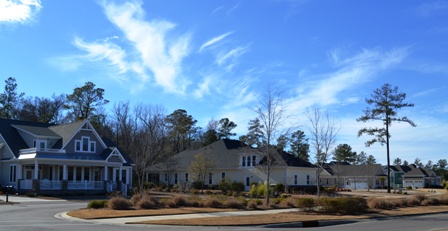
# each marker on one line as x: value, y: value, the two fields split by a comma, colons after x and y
x: 114, y: 174
x: 127, y: 176
x: 64, y: 172
x: 82, y: 174
x: 105, y: 173
x: 19, y: 172
x: 74, y: 174
x: 120, y: 174
x: 36, y: 170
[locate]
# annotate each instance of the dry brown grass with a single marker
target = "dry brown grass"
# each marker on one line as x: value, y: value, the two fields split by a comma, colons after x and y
x: 293, y: 217
x: 109, y: 213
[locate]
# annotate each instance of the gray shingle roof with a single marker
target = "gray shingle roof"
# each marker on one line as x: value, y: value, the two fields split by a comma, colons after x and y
x: 356, y: 170
x: 37, y: 131
x: 66, y: 131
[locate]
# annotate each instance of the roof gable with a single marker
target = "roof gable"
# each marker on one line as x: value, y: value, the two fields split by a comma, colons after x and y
x: 68, y: 131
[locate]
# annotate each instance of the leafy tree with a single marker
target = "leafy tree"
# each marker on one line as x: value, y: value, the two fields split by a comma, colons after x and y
x: 418, y: 163
x: 323, y: 129
x: 44, y: 110
x: 371, y: 160
x: 255, y: 136
x: 85, y: 100
x: 361, y: 158
x: 441, y: 168
x: 211, y: 135
x: 344, y: 153
x: 405, y: 163
x: 201, y: 167
x: 397, y: 161
x: 282, y: 142
x: 299, y: 145
x: 385, y: 103
x: 181, y: 128
x: 225, y: 128
x: 430, y: 165
x: 10, y: 99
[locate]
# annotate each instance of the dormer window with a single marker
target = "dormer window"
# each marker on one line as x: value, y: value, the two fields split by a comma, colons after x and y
x: 40, y: 144
x: 248, y: 161
x: 85, y: 145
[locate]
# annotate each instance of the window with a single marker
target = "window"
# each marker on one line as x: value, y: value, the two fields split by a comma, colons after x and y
x: 166, y: 177
x: 295, y: 179
x: 249, y: 161
x: 223, y: 175
x: 210, y: 178
x: 307, y: 179
x: 85, y: 145
x: 186, y: 177
x: 247, y: 181
x: 12, y: 173
x: 175, y: 178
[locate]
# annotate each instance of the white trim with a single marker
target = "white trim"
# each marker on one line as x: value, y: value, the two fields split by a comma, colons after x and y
x: 116, y: 152
x: 81, y: 128
x: 7, y: 146
x: 89, y: 145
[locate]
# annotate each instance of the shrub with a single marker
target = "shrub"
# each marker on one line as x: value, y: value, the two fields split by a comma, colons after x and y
x: 224, y: 186
x: 254, y: 203
x: 197, y: 184
x: 443, y: 199
x: 378, y: 203
x: 212, y: 203
x: 135, y: 199
x: 431, y: 201
x: 97, y: 204
x: 261, y: 190
x: 288, y: 202
x: 419, y: 197
x: 343, y: 205
x: 306, y: 203
x: 233, y: 204
x: 147, y: 203
x: 119, y: 203
x: 179, y: 201
x: 237, y: 186
x: 398, y: 202
x: 253, y: 191
x: 279, y: 188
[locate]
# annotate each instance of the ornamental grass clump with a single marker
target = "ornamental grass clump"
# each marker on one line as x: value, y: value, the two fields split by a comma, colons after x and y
x: 306, y: 203
x: 343, y: 205
x: 97, y: 204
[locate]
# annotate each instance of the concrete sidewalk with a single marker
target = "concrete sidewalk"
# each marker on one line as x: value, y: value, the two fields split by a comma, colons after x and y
x: 124, y: 220
x: 23, y: 199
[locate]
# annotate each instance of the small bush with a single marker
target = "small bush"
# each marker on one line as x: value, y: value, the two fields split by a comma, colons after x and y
x: 135, y: 199
x: 306, y: 203
x: 253, y: 191
x: 237, y: 186
x: 147, y: 203
x: 419, y: 197
x: 212, y: 203
x: 253, y: 204
x: 378, y: 203
x: 443, y: 199
x: 431, y: 201
x: 288, y: 202
x: 179, y: 201
x: 233, y: 204
x: 261, y: 190
x: 119, y: 203
x: 97, y: 204
x: 343, y: 205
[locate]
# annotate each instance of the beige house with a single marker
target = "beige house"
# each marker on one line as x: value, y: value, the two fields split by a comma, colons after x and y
x: 353, y: 176
x: 236, y: 161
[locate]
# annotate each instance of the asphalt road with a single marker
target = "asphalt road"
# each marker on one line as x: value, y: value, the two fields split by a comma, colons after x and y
x: 41, y: 216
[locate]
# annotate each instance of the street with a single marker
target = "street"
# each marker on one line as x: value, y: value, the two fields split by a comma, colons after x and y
x: 44, y: 215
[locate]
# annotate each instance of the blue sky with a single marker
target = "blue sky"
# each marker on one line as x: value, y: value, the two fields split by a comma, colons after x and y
x: 213, y: 58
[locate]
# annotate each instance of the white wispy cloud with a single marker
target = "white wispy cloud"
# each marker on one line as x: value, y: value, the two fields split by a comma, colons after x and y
x: 326, y: 88
x: 229, y: 57
x: 214, y: 40
x: 20, y: 11
x: 158, y: 52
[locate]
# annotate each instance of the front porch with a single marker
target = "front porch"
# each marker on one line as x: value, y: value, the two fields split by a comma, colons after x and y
x: 71, y: 178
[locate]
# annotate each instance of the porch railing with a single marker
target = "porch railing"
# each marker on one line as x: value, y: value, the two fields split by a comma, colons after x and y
x: 26, y: 184
x: 86, y: 185
x: 34, y: 150
x: 50, y: 184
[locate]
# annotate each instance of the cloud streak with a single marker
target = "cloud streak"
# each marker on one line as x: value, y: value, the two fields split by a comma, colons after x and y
x: 18, y: 11
x: 214, y: 41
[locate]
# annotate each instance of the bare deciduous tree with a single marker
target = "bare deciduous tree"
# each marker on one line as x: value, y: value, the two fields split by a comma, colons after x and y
x: 323, y: 129
x: 271, y: 114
